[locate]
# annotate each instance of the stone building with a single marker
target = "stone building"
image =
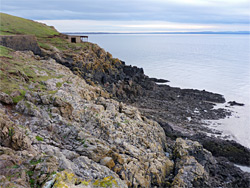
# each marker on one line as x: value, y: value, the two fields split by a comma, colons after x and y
x: 77, y: 39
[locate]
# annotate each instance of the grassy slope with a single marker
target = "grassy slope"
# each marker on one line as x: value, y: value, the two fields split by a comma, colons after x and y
x: 17, y: 73
x: 14, y: 69
x: 15, y: 25
x: 5, y: 52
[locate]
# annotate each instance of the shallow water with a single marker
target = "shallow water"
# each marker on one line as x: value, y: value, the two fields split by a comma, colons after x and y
x: 216, y: 63
x: 244, y: 168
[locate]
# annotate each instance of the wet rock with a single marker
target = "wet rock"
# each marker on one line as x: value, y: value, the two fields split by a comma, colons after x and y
x: 234, y: 103
x: 229, y: 149
x: 158, y: 80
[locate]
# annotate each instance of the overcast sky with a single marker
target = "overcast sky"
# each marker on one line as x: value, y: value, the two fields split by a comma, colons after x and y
x: 134, y: 15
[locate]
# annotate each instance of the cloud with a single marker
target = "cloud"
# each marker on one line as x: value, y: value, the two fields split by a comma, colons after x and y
x: 137, y: 26
x: 175, y: 11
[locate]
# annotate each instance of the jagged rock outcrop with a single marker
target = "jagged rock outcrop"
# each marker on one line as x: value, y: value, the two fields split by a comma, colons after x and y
x: 79, y: 128
x: 196, y: 167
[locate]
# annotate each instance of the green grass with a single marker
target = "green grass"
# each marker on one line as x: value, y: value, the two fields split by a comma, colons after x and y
x: 11, y: 131
x: 38, y: 138
x: 59, y: 84
x: 32, y: 182
x: 20, y: 97
x: 15, y: 166
x: 5, y: 52
x: 16, y: 25
x: 61, y: 43
x: 35, y: 162
x: 30, y: 173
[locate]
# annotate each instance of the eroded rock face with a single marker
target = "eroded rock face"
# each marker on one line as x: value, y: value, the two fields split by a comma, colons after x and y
x: 76, y: 127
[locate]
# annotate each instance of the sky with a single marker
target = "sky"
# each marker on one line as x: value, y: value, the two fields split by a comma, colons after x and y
x: 134, y: 15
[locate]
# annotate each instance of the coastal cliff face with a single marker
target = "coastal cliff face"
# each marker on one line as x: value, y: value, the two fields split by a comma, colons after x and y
x: 66, y: 120
x: 63, y: 127
x: 58, y: 131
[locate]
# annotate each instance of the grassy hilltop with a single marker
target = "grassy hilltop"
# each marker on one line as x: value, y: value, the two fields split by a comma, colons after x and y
x: 12, y: 25
x: 47, y: 36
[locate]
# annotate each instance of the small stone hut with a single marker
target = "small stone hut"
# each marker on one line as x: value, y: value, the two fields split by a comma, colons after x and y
x: 77, y: 39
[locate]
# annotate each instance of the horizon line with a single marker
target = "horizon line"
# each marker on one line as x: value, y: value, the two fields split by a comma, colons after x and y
x: 165, y: 32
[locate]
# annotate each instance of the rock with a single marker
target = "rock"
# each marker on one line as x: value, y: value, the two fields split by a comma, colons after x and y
x: 64, y: 107
x: 12, y: 168
x: 11, y: 135
x: 69, y: 179
x: 158, y: 80
x: 108, y: 162
x: 229, y: 149
x: 81, y: 135
x: 5, y: 98
x: 46, y: 99
x: 41, y: 171
x: 28, y: 108
x: 190, y: 174
x: 70, y: 154
x: 233, y: 103
x: 196, y: 167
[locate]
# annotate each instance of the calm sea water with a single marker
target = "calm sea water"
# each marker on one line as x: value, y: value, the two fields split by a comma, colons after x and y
x: 216, y: 63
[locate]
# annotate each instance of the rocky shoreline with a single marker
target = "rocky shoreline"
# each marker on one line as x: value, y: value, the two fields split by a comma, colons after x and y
x: 179, y: 111
x: 76, y: 117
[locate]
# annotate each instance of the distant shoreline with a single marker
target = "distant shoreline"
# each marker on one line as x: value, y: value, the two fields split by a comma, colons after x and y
x: 156, y: 33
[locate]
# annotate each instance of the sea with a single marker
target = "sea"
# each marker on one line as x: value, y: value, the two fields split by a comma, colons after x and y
x: 218, y: 63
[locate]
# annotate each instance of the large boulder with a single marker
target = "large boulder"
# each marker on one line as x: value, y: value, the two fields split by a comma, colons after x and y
x: 196, y: 167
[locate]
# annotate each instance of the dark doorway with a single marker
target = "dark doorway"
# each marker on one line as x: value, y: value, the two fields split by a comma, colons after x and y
x: 73, y: 40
